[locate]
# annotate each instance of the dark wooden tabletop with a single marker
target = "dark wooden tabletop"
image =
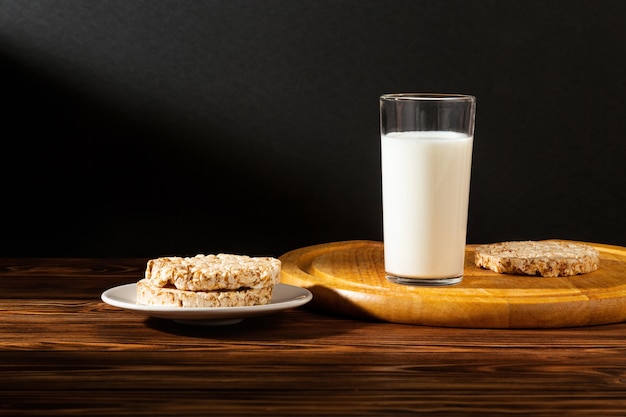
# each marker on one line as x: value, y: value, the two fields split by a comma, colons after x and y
x: 65, y: 352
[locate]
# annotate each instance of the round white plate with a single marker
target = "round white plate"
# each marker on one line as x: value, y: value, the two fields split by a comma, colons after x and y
x: 283, y: 297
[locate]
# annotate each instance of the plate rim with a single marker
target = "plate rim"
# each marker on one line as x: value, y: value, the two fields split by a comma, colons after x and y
x: 204, y: 313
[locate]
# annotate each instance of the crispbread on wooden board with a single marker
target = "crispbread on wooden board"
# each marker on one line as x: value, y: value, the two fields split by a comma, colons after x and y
x: 546, y: 258
x: 348, y: 278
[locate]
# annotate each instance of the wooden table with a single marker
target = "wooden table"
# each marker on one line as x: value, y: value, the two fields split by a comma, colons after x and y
x: 65, y: 352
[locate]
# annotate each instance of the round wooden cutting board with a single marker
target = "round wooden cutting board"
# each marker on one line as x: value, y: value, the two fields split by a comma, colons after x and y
x: 348, y: 278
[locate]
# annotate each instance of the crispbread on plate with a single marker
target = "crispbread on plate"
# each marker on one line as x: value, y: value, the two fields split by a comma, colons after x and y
x: 222, y: 280
x: 213, y: 272
x: 546, y: 258
x: 149, y: 294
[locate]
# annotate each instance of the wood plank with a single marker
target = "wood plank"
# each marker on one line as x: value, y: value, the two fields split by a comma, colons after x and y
x: 63, y: 278
x: 64, y: 352
x: 297, y: 402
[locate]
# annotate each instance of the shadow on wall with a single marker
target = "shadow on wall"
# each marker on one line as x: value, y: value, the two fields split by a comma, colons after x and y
x: 88, y: 178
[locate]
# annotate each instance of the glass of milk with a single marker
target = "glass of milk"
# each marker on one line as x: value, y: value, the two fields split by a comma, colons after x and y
x: 426, y: 149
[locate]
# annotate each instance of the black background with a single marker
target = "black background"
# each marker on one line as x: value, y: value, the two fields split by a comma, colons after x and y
x: 150, y: 128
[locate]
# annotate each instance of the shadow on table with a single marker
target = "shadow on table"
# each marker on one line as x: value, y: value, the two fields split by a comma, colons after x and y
x: 302, y: 323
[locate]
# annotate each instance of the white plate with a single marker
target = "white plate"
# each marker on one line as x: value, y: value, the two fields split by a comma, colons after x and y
x: 283, y: 297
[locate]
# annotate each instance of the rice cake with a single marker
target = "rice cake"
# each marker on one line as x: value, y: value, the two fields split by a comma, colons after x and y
x: 547, y: 258
x: 213, y: 272
x: 148, y: 294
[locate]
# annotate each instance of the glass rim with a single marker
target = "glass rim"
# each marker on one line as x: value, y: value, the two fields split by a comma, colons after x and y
x: 427, y: 96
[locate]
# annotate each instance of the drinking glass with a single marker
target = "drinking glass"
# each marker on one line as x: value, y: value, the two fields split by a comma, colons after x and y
x: 426, y: 149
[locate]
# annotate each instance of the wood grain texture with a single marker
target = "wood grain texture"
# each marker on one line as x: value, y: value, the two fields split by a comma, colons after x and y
x: 64, y: 352
x: 349, y: 278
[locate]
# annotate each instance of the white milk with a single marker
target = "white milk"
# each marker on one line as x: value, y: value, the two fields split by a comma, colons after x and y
x: 426, y: 180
